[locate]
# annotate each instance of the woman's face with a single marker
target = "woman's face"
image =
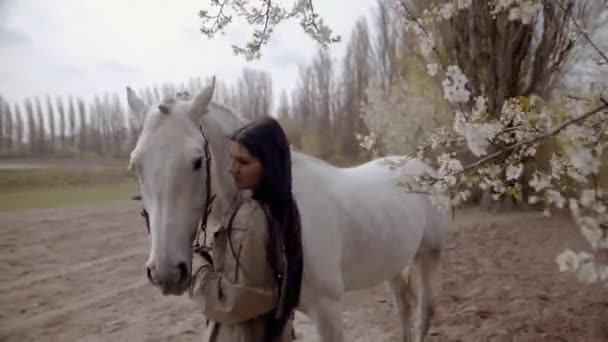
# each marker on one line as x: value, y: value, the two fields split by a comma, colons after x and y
x: 246, y: 169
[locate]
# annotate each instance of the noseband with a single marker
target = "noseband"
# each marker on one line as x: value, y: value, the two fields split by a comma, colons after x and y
x: 197, y: 246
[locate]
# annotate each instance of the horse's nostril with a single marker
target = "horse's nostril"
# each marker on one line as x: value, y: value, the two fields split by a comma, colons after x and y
x: 183, y: 271
x: 149, y: 273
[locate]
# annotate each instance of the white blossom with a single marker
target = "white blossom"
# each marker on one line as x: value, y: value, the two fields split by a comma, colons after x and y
x: 368, y: 141
x: 555, y: 197
x: 514, y: 171
x: 454, y: 89
x: 427, y: 43
x: 583, y: 160
x: 432, y: 69
x: 480, y: 107
x: 574, y: 207
x: 567, y: 261
x: 447, y: 10
x: 539, y: 182
x: 459, y: 123
x: 464, y: 4
x: 523, y: 10
x: 587, y: 273
x: 590, y: 230
x: 478, y: 137
x: 587, y: 197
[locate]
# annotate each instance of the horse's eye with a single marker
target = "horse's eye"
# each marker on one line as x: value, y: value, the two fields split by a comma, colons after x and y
x: 198, y: 162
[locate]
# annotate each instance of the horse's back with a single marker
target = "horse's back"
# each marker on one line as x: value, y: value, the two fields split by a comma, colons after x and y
x: 359, y: 220
x: 382, y: 225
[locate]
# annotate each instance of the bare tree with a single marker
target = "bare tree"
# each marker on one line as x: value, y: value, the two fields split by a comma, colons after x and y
x: 8, y: 128
x: 72, y: 119
x: 192, y: 86
x: 83, y: 135
x: 323, y: 75
x: 156, y: 92
x: 51, y: 115
x: 31, y: 126
x: 2, y: 124
x: 283, y: 109
x: 40, y: 139
x: 117, y: 127
x: 386, y: 43
x: 167, y: 90
x: 149, y: 96
x: 19, y: 127
x: 356, y: 73
x: 254, y: 93
x: 62, y: 123
x: 303, y: 98
x: 222, y: 94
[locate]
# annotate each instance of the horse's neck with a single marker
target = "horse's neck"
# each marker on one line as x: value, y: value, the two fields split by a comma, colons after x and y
x: 222, y: 186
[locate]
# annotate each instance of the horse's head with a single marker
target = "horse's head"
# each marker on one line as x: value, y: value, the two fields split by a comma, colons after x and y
x: 169, y: 162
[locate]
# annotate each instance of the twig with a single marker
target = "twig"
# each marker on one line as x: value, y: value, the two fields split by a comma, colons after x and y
x: 583, y: 33
x: 267, y: 15
x: 578, y: 98
x: 220, y: 14
x: 312, y: 14
x: 536, y: 139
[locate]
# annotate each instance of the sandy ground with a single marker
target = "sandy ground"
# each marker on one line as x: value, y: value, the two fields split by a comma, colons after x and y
x: 78, y: 275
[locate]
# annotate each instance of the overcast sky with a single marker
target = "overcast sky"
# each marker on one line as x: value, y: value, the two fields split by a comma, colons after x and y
x: 84, y: 48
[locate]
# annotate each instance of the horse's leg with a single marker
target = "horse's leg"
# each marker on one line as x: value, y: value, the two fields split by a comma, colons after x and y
x: 421, y: 279
x: 326, y: 314
x: 403, y: 296
x: 324, y: 309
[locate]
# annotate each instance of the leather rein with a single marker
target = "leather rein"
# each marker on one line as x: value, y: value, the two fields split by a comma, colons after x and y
x: 198, y: 247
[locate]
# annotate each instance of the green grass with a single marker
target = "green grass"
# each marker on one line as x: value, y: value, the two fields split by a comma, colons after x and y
x: 64, y: 183
x: 55, y: 197
x: 58, y: 177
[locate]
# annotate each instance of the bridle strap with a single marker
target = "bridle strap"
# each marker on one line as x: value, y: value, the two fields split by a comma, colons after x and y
x: 198, y: 247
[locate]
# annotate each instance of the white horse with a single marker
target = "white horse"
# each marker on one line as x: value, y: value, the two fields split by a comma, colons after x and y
x: 359, y: 228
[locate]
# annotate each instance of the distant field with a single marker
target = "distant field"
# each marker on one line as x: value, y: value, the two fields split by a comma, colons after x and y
x: 59, y: 183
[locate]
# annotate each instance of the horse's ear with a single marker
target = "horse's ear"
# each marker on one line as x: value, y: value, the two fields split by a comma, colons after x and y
x: 201, y: 101
x: 137, y: 105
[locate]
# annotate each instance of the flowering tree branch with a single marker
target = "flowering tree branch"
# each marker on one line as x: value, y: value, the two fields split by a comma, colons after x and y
x: 266, y: 17
x: 556, y: 131
x: 503, y: 111
x: 584, y: 33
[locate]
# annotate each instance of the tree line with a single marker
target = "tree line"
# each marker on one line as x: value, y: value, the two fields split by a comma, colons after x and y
x: 321, y: 115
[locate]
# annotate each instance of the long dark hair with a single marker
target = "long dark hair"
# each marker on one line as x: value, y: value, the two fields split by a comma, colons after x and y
x: 266, y: 140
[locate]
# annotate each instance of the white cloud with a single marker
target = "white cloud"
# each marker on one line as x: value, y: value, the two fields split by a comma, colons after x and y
x: 86, y: 48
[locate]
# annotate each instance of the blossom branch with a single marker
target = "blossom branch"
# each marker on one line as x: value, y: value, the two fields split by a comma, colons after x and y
x: 584, y: 33
x: 536, y: 139
x: 220, y: 19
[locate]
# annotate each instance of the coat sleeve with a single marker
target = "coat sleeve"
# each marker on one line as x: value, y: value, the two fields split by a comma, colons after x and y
x: 223, y: 300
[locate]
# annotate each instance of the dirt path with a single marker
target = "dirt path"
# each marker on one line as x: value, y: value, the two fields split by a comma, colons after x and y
x: 77, y: 275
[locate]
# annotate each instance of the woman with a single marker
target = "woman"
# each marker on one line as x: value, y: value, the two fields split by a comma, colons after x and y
x: 250, y: 288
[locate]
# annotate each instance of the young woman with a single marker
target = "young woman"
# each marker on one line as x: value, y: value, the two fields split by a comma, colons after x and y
x: 249, y: 290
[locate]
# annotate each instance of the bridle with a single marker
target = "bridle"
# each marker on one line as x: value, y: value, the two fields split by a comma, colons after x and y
x: 198, y: 247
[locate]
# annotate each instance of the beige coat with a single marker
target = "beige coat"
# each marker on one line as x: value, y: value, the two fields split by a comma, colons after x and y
x: 234, y: 299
